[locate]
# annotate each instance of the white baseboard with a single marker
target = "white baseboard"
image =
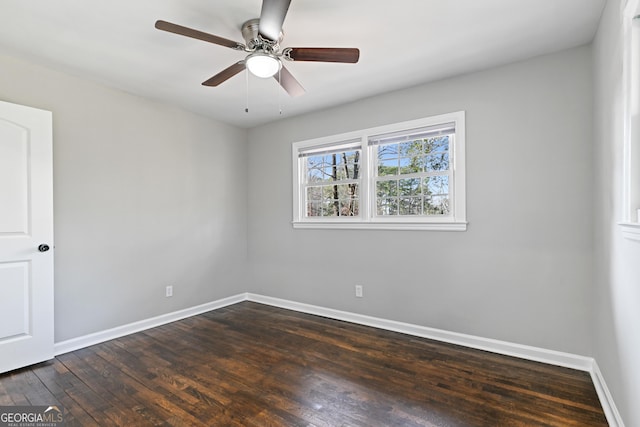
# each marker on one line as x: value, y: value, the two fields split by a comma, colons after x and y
x: 536, y: 354
x: 120, y: 331
x: 606, y: 400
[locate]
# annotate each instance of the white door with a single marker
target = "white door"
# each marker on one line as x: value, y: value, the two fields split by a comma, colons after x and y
x: 26, y: 236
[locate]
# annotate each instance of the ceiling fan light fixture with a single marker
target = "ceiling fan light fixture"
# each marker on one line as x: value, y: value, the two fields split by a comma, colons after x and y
x: 263, y: 65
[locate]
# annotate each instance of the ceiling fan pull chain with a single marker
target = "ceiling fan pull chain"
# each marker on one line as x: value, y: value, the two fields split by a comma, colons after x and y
x: 246, y: 108
x: 279, y: 91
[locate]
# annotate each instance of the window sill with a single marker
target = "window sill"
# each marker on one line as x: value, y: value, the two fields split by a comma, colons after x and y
x: 630, y: 230
x: 334, y: 225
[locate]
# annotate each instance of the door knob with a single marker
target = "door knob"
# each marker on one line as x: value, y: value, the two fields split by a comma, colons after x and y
x: 43, y: 247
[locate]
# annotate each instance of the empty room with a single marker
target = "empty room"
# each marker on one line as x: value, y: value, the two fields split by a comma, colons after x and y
x: 320, y: 213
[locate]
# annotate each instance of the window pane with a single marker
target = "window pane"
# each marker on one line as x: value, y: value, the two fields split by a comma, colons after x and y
x: 411, y: 206
x: 352, y: 156
x: 314, y: 160
x: 436, y: 205
x: 328, y: 174
x: 388, y: 160
x: 347, y: 191
x: 411, y: 149
x: 387, y: 167
x: 315, y: 174
x: 329, y: 207
x: 349, y: 171
x: 437, y: 162
x: 409, y: 187
x: 440, y: 143
x: 314, y: 209
x: 435, y: 185
x: 318, y: 173
x: 387, y: 206
x: 410, y: 165
x: 314, y: 193
x: 388, y: 151
x: 387, y: 188
x: 349, y: 207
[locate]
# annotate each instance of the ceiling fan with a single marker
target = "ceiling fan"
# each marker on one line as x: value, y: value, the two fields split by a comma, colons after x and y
x: 262, y: 43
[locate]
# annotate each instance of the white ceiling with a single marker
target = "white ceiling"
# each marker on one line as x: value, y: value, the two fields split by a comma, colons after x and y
x: 402, y: 43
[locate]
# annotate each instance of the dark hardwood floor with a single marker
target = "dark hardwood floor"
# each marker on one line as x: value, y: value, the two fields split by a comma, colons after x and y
x: 256, y: 365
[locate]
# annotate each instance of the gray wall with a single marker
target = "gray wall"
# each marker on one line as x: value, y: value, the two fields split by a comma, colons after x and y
x: 617, y: 291
x: 145, y: 196
x: 523, y: 270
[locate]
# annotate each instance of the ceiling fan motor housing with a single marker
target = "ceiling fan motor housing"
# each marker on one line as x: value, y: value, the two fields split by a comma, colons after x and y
x: 253, y: 39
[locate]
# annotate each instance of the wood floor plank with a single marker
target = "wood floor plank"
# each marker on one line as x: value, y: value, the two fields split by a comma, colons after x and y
x: 33, y: 389
x: 17, y: 385
x: 61, y: 383
x: 157, y: 395
x: 5, y: 396
x: 256, y: 365
x: 114, y: 394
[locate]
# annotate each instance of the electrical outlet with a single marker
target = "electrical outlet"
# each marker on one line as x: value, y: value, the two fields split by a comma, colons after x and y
x: 359, y: 291
x: 169, y: 291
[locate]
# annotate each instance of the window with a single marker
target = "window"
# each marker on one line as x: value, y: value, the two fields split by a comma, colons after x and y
x: 331, y: 181
x: 412, y: 172
x: 631, y: 172
x: 408, y: 175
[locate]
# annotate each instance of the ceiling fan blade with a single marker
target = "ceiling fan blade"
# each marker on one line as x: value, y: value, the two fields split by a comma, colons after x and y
x: 322, y: 54
x: 225, y: 74
x: 289, y: 83
x: 195, y: 34
x: 272, y: 17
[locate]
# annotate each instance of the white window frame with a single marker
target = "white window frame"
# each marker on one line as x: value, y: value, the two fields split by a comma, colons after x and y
x: 456, y: 221
x: 630, y: 221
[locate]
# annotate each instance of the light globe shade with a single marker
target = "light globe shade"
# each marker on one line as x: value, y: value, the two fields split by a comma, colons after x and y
x: 263, y: 65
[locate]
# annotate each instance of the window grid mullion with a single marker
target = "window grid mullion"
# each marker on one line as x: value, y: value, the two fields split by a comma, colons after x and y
x: 412, y: 175
x: 330, y: 183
